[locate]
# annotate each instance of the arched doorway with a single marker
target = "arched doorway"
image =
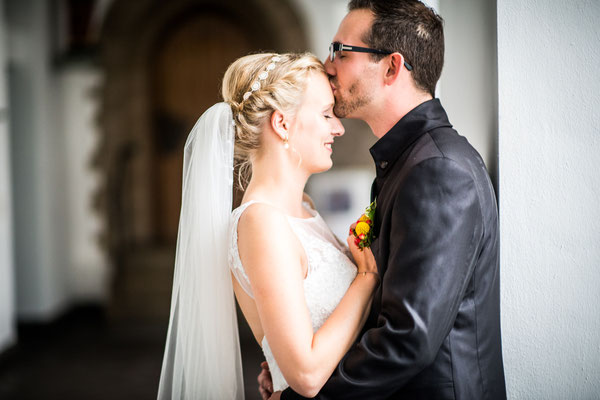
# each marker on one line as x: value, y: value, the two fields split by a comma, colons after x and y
x: 163, y: 64
x: 203, y: 45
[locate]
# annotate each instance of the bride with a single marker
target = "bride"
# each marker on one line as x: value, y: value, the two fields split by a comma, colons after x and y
x: 297, y: 286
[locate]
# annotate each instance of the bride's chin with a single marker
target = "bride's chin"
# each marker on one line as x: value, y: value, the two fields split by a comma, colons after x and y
x: 323, y: 168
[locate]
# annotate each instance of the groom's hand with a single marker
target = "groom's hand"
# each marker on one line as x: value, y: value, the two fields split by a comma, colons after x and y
x: 265, y: 384
x: 275, y: 396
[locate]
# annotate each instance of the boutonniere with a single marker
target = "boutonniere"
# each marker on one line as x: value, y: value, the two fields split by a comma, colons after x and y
x: 362, y: 231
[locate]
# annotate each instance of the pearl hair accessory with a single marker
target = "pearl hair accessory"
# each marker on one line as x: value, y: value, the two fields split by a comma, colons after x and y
x: 262, y: 76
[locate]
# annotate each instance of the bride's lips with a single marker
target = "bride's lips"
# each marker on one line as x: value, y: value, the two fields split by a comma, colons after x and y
x: 329, y: 145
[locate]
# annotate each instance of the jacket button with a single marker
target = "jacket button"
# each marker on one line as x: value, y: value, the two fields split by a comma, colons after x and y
x: 383, y: 164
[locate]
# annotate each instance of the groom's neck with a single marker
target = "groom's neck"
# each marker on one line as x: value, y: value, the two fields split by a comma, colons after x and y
x: 393, y: 108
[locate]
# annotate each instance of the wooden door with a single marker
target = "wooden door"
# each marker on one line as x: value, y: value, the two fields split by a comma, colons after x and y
x: 186, y: 80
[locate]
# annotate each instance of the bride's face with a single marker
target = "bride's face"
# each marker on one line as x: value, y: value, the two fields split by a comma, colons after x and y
x: 315, y: 125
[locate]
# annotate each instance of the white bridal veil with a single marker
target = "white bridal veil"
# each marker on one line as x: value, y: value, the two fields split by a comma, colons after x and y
x: 202, y: 355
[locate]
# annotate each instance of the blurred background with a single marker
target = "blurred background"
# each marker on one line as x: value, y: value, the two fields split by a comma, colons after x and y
x: 97, y: 98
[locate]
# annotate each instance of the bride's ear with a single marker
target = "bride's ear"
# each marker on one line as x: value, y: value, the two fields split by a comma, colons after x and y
x: 280, y: 124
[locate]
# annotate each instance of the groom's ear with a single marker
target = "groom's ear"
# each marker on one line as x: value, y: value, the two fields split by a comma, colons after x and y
x: 394, y: 64
x: 280, y: 124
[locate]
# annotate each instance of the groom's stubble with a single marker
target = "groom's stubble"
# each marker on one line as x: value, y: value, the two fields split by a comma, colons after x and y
x: 354, y: 98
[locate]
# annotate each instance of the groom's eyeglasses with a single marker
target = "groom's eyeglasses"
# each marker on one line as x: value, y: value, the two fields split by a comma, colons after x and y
x: 337, y: 46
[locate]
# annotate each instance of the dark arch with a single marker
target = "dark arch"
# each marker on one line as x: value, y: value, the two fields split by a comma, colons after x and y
x: 131, y: 32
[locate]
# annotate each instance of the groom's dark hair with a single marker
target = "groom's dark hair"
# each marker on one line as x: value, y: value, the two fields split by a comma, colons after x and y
x: 412, y: 29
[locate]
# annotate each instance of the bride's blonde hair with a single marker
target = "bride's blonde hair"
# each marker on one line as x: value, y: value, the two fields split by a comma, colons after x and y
x: 282, y: 90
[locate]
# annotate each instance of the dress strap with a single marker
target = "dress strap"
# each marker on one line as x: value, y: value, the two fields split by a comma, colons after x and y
x: 235, y: 263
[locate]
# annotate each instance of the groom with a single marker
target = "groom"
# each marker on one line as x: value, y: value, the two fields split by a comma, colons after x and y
x: 434, y: 327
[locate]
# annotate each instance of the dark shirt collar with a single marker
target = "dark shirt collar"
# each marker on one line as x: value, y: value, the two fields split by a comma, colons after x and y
x: 421, y: 119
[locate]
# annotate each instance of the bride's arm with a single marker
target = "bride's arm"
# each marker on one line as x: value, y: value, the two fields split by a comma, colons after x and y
x: 273, y: 259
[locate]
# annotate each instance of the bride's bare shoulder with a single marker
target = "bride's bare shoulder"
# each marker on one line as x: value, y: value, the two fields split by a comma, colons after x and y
x: 258, y: 211
x: 261, y: 220
x: 266, y: 239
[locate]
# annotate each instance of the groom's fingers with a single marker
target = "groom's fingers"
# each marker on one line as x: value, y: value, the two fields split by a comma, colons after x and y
x: 265, y: 385
x: 264, y: 365
x: 264, y: 394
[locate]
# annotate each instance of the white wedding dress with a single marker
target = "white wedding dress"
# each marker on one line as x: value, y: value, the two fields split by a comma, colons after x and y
x: 330, y: 272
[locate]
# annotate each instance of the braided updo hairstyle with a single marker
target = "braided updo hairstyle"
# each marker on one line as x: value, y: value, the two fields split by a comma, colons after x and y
x: 282, y: 90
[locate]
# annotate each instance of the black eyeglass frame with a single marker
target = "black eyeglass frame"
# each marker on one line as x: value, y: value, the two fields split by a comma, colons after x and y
x: 337, y: 46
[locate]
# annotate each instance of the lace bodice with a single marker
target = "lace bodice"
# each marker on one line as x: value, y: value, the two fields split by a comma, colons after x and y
x: 330, y: 273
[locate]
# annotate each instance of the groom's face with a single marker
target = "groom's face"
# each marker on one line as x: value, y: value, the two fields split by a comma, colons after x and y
x: 353, y: 75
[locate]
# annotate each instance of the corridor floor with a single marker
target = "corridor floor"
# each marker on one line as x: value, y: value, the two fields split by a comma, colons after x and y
x: 83, y: 355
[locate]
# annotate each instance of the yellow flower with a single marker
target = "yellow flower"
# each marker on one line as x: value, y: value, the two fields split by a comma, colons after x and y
x: 363, y: 218
x: 362, y: 228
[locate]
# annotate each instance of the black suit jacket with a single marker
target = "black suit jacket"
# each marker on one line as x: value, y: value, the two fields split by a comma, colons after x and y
x: 434, y: 327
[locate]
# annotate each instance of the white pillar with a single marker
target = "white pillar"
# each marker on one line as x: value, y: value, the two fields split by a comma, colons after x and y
x: 549, y: 146
x: 88, y: 272
x: 7, y: 308
x: 39, y: 178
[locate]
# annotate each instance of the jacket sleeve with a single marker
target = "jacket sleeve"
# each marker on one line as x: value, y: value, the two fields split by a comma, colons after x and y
x: 435, y: 235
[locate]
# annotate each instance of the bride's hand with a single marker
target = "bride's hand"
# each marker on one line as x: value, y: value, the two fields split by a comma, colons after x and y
x: 365, y: 261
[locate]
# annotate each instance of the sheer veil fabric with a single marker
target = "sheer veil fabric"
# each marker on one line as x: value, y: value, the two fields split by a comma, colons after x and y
x: 202, y: 357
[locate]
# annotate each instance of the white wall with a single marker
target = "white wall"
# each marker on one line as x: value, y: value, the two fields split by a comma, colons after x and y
x: 468, y: 87
x: 322, y: 19
x: 38, y: 164
x: 341, y: 196
x: 549, y: 146
x: 7, y: 312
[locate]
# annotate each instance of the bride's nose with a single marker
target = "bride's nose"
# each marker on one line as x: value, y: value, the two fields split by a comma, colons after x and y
x: 337, y: 127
